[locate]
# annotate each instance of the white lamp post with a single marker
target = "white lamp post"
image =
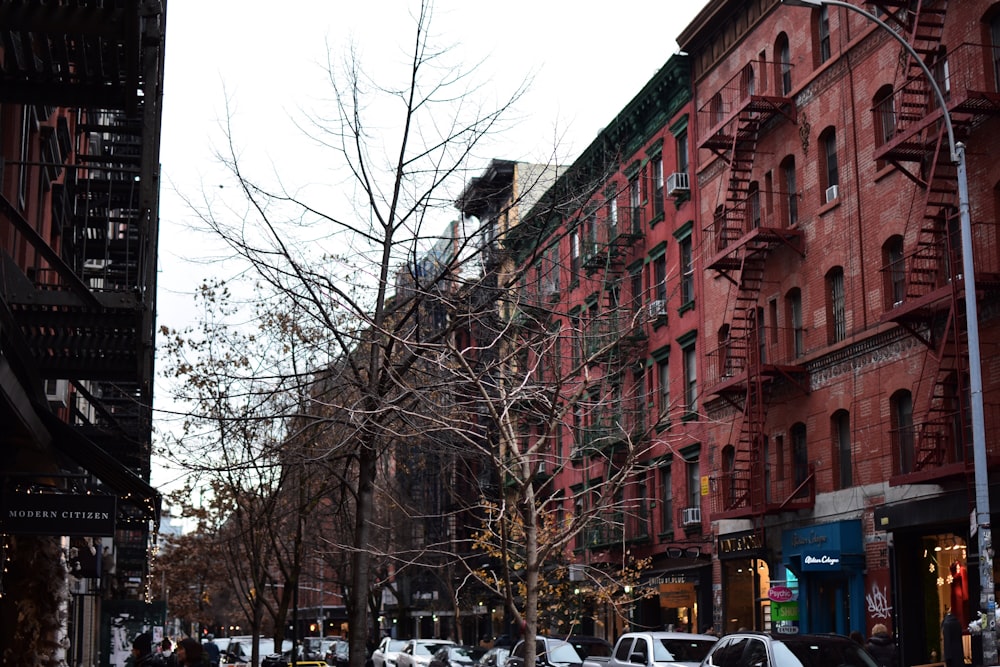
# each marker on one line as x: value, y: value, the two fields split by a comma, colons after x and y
x: 987, y: 598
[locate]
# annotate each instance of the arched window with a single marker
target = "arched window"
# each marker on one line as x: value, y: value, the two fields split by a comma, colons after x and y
x: 790, y: 214
x: 840, y: 434
x: 783, y: 55
x: 829, y: 169
x: 994, y: 36
x: 748, y: 84
x: 725, y: 353
x: 894, y: 271
x: 836, y: 309
x: 716, y: 109
x: 901, y: 430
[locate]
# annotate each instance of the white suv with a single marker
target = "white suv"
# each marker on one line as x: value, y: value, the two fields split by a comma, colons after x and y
x: 418, y: 652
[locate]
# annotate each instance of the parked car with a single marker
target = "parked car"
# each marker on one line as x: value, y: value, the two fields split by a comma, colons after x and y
x: 455, y: 656
x: 387, y: 651
x: 495, y: 657
x: 588, y: 646
x: 240, y: 649
x: 656, y: 649
x: 338, y: 653
x: 549, y: 652
x: 418, y: 652
x: 763, y: 650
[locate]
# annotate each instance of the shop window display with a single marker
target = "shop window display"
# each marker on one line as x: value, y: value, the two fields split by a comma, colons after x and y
x: 946, y: 579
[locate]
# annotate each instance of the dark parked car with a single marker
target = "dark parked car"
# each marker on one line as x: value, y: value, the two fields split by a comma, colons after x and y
x: 752, y: 649
x: 549, y: 652
x: 455, y: 656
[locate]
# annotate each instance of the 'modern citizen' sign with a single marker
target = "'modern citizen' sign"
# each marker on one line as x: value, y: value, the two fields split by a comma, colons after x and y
x: 57, y: 514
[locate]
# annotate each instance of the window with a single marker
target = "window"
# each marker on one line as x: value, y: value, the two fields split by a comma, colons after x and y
x: 635, y: 200
x: 829, y: 170
x: 885, y: 115
x: 995, y: 43
x: 682, y: 152
x: 635, y: 282
x: 748, y: 84
x: 658, y: 186
x: 823, y: 33
x: 901, y: 415
x: 666, y: 499
x: 685, y: 254
x: 784, y: 55
x: 841, y: 434
x: 590, y: 235
x: 660, y: 277
x: 791, y: 196
x: 687, y: 271
x: 725, y: 353
x: 753, y: 206
x: 716, y: 110
x: 895, y: 271
x: 612, y: 209
x: 574, y: 254
x: 693, y: 482
x: 793, y: 308
x: 836, y: 310
x: 690, y: 363
x: 800, y: 456
x: 939, y: 67
x: 663, y: 379
x: 577, y: 345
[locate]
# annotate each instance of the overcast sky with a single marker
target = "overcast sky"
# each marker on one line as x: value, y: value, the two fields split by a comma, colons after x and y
x: 587, y: 60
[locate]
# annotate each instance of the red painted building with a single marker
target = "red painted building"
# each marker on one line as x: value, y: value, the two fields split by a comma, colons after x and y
x: 618, y: 275
x: 835, y: 390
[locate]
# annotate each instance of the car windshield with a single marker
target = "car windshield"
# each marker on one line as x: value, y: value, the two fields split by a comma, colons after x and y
x: 460, y: 654
x: 681, y: 650
x: 421, y: 648
x: 562, y: 652
x: 395, y: 645
x: 805, y: 652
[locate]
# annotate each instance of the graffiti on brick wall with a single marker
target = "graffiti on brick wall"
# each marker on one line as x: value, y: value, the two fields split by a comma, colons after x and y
x: 878, y: 602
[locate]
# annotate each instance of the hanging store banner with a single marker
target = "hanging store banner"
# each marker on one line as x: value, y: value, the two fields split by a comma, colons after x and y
x: 73, y: 515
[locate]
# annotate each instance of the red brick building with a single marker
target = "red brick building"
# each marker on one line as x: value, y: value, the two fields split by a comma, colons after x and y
x: 617, y: 274
x: 836, y: 387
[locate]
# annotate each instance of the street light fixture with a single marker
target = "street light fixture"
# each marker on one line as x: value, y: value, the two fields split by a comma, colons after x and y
x: 982, y: 524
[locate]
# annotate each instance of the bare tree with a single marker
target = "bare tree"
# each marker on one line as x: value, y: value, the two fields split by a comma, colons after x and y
x: 426, y: 380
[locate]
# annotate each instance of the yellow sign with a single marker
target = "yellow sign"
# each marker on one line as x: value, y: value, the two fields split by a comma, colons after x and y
x: 677, y: 595
x: 704, y: 485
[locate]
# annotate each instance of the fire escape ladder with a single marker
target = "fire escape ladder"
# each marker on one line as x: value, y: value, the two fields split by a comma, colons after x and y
x: 928, y: 261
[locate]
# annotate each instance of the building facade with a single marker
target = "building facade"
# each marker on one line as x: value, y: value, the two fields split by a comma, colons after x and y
x: 836, y: 368
x: 80, y: 92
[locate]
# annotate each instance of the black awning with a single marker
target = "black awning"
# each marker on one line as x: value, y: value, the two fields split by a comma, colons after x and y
x: 130, y: 487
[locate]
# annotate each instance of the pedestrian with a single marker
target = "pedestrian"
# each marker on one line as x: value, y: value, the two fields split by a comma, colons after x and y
x: 189, y: 653
x: 882, y: 647
x: 951, y: 634
x: 142, y: 651
x: 167, y: 653
x: 211, y: 650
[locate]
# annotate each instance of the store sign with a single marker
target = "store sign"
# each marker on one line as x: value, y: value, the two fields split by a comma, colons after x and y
x: 780, y: 594
x: 73, y: 515
x: 821, y: 561
x: 677, y: 595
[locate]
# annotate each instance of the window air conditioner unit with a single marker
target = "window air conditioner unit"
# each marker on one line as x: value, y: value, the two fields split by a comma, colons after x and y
x: 831, y: 193
x: 691, y: 516
x: 677, y: 183
x: 657, y: 309
x: 57, y: 391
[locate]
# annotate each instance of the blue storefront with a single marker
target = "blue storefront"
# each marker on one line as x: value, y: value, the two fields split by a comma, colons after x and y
x: 829, y: 561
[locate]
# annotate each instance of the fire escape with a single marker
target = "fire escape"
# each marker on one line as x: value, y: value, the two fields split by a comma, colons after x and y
x: 89, y: 75
x: 925, y: 275
x: 740, y: 239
